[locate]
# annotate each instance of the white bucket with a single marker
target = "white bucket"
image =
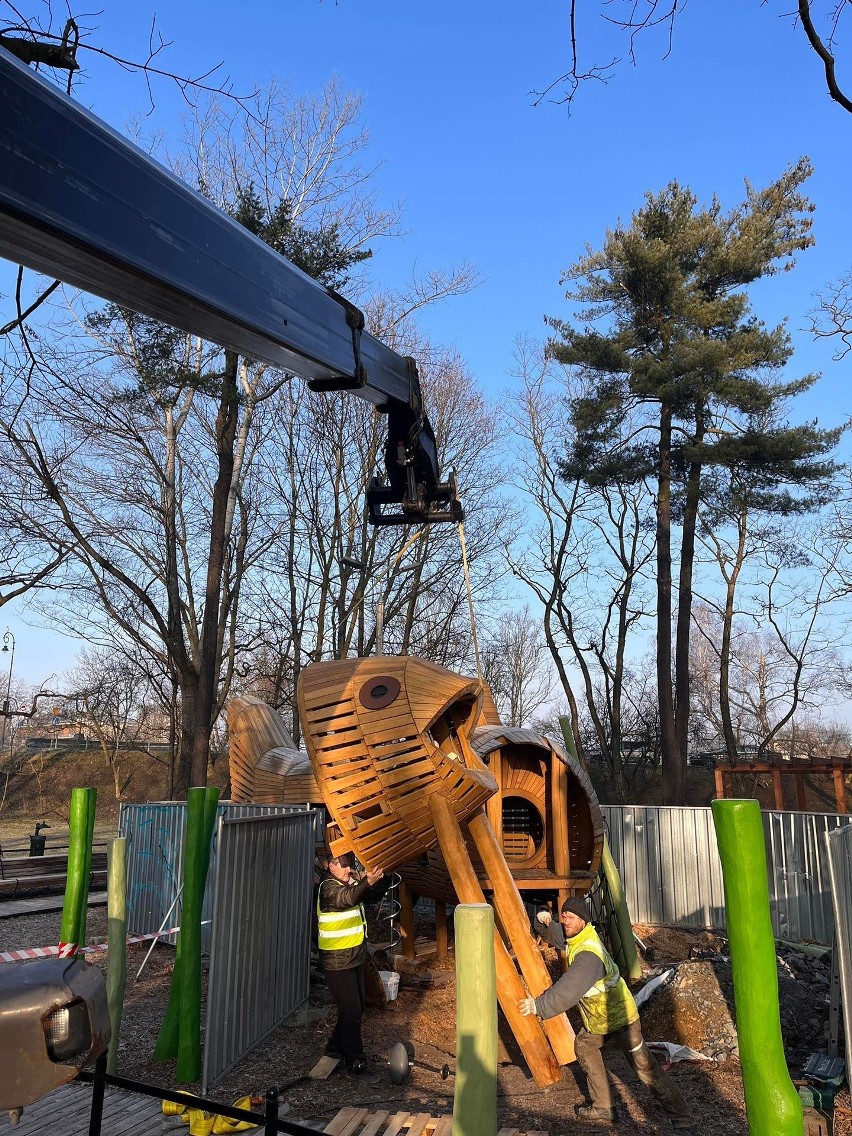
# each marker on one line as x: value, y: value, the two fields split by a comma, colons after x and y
x: 390, y: 981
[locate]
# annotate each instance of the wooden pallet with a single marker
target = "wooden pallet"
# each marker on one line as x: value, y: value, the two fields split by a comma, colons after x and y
x: 362, y: 1122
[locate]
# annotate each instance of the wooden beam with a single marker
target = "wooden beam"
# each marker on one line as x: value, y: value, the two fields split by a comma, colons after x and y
x: 514, y: 918
x: 719, y: 778
x: 778, y: 790
x: 406, y: 921
x: 559, y: 816
x: 441, y: 942
x: 840, y: 790
x: 527, y: 1030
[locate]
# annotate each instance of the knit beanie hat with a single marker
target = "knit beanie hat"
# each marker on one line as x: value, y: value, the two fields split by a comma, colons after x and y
x: 577, y: 907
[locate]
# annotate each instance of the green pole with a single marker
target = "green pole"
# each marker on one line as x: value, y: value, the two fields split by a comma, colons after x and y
x: 189, y: 1034
x: 91, y: 804
x: 475, y: 1099
x: 77, y: 880
x: 116, y: 941
x: 629, y: 955
x: 773, y: 1107
x: 180, y: 1034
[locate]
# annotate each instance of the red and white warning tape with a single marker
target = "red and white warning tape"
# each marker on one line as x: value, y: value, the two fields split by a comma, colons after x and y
x: 68, y: 950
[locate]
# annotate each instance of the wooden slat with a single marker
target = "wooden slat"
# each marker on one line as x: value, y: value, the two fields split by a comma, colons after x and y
x: 341, y: 1121
x: 375, y: 1122
x: 419, y: 1123
x: 396, y: 1124
x: 444, y: 1126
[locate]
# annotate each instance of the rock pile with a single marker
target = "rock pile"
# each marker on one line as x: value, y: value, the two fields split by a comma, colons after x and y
x: 697, y: 1007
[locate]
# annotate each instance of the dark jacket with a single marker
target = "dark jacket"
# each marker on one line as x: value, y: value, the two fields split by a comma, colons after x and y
x: 335, y: 896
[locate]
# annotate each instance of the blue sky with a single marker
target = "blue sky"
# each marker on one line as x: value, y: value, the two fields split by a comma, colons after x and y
x: 518, y: 190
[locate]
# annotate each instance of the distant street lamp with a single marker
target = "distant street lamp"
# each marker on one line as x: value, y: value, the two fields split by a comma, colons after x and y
x: 8, y: 638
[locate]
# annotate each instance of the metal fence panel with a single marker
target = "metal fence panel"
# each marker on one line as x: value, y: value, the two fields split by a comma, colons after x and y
x: 672, y: 875
x: 262, y: 917
x: 839, y: 845
x: 155, y: 839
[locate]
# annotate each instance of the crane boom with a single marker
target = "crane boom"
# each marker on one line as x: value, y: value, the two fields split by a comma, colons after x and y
x: 80, y: 202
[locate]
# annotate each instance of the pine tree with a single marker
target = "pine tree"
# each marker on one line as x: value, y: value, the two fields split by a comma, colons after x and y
x: 682, y: 357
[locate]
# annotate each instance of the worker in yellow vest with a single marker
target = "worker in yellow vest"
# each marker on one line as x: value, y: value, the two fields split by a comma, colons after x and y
x: 610, y: 1018
x: 342, y: 942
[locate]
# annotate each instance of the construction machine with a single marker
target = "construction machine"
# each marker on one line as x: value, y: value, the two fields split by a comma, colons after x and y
x: 81, y: 203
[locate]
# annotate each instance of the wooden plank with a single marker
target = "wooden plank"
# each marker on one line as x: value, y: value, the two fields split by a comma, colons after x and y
x: 354, y: 1123
x: 444, y: 1126
x: 374, y: 1123
x: 341, y: 1119
x: 419, y: 1124
x: 514, y: 918
x: 527, y: 1030
x: 396, y: 1124
x: 324, y: 1068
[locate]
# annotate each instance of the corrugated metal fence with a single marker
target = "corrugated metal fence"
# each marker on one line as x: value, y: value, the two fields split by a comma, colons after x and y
x: 840, y: 869
x: 260, y: 954
x: 257, y: 908
x: 155, y: 837
x: 672, y: 875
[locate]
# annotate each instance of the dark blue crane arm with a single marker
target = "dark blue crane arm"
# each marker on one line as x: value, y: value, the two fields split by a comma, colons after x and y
x: 81, y: 203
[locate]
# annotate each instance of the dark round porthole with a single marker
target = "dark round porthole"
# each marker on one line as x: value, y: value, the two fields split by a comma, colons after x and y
x: 378, y: 692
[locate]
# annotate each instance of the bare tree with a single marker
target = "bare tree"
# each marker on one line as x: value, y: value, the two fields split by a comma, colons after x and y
x: 632, y: 19
x: 517, y: 667
x: 583, y: 555
x: 149, y: 477
x: 778, y: 657
x: 109, y: 700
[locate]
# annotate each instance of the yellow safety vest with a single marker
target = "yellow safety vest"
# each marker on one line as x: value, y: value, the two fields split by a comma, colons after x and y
x: 339, y: 930
x: 607, y: 1006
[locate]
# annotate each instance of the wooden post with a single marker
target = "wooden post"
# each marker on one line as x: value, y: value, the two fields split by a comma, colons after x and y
x: 117, y: 941
x: 527, y: 1030
x: 514, y: 918
x: 406, y: 921
x: 778, y: 789
x: 441, y: 943
x: 475, y: 1096
x: 840, y: 790
x: 719, y: 778
x: 559, y: 817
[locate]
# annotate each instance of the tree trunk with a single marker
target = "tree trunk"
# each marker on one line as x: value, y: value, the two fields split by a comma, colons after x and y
x: 208, y: 669
x: 684, y: 601
x: 672, y: 778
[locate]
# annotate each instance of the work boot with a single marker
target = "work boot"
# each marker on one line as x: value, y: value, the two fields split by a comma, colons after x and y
x: 592, y: 1112
x: 360, y: 1071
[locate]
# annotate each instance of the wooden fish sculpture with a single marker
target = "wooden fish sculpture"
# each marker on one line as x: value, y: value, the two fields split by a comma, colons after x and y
x: 384, y: 734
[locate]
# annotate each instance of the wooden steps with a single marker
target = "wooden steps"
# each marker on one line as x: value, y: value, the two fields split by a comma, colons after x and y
x: 363, y: 1122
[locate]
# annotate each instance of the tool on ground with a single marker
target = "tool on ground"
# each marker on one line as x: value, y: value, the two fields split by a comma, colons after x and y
x: 402, y: 1059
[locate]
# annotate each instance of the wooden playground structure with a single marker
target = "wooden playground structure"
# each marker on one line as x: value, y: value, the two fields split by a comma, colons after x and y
x: 419, y: 776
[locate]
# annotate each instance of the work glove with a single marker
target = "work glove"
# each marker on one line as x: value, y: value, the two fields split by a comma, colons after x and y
x: 544, y: 918
x: 526, y: 1006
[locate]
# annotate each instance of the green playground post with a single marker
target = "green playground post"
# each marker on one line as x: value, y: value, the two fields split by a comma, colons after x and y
x: 773, y: 1107
x: 475, y: 1098
x: 180, y: 1034
x: 116, y: 976
x: 81, y: 825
